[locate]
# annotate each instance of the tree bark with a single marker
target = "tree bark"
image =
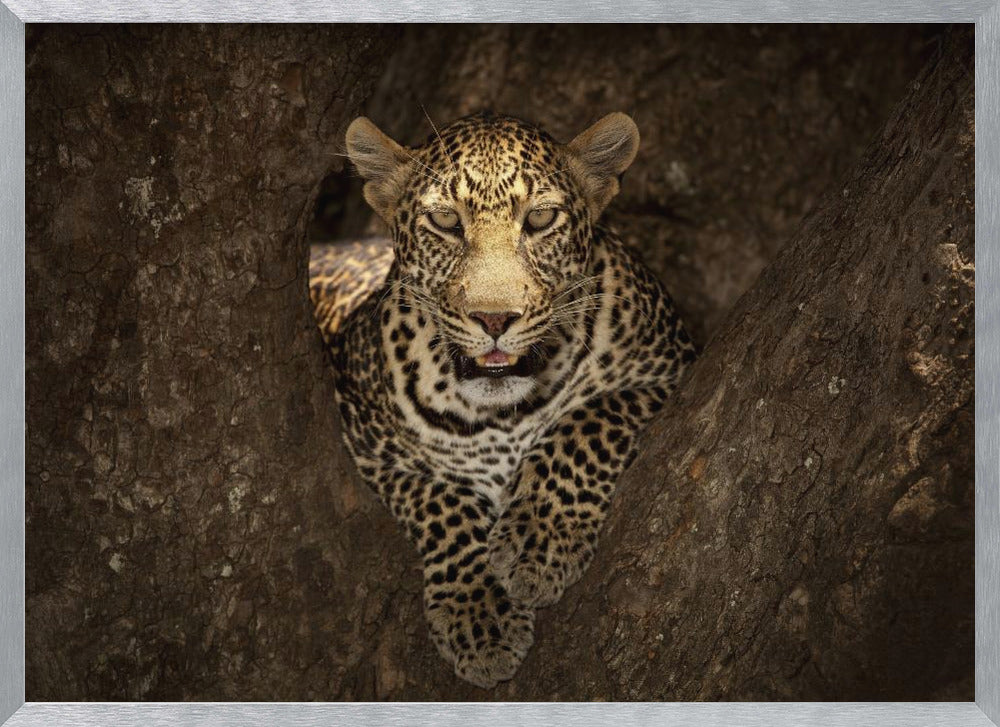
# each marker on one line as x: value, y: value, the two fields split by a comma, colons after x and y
x: 181, y: 436
x: 798, y: 524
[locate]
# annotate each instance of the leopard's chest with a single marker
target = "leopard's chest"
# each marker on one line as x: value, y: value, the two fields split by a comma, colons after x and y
x: 487, y: 456
x: 489, y: 459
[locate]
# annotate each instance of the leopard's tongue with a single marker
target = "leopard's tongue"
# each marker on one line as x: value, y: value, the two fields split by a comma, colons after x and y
x: 496, y: 357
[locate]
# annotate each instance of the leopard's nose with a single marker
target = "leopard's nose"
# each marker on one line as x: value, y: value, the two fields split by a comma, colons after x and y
x: 495, y: 324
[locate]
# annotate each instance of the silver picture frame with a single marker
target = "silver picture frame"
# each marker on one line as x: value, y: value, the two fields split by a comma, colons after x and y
x: 14, y: 14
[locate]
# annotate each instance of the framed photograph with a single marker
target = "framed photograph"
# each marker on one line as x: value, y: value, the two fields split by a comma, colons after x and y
x: 418, y: 364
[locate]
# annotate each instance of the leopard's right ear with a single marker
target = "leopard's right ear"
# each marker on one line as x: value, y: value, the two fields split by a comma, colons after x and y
x: 601, y: 154
x: 381, y: 162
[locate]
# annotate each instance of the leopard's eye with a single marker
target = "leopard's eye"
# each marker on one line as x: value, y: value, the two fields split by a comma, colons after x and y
x: 541, y: 218
x: 444, y: 219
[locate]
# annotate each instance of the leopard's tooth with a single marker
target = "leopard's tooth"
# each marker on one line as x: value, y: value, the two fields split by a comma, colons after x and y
x: 481, y: 361
x: 512, y: 359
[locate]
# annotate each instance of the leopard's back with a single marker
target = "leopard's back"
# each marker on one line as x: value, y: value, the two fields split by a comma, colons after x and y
x: 342, y: 276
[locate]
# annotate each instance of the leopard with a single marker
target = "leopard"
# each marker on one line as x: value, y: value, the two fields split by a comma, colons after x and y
x: 495, y: 357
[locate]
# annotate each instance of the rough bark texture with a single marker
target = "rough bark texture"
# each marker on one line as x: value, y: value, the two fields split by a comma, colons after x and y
x: 182, y: 442
x: 798, y: 525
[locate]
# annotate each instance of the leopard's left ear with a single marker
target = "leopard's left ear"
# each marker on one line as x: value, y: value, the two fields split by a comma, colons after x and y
x: 381, y: 162
x: 600, y: 154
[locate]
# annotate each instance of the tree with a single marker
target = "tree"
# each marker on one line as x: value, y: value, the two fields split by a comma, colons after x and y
x: 797, y: 526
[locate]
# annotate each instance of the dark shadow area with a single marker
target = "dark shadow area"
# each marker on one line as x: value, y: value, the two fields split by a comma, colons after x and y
x: 340, y: 213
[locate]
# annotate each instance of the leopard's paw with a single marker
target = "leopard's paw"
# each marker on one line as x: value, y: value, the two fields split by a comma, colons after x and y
x: 535, y: 560
x: 485, y: 635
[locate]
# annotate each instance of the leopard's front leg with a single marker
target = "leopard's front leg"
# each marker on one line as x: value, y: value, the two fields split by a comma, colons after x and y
x: 473, y: 622
x: 545, y: 539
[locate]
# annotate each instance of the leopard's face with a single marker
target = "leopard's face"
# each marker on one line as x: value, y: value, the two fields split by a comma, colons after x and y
x: 491, y: 221
x: 490, y: 234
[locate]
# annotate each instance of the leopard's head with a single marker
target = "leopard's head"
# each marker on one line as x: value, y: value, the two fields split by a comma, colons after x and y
x: 492, y: 224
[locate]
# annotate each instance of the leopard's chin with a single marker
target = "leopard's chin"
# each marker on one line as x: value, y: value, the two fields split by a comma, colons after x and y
x: 497, y: 392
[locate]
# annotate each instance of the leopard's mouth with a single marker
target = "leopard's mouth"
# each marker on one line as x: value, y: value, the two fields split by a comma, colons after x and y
x: 497, y: 364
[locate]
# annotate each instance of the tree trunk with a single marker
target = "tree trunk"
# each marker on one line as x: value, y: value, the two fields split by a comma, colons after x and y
x: 798, y: 524
x: 183, y: 536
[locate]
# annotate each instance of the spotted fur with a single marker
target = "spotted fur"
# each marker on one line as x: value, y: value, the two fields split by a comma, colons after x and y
x: 341, y: 277
x: 502, y: 482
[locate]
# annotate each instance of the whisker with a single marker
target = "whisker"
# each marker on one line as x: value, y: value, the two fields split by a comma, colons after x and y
x: 434, y: 174
x: 588, y: 299
x: 575, y: 286
x: 389, y: 287
x: 438, y: 133
x: 574, y: 310
x: 578, y: 306
x: 431, y: 173
x: 552, y: 174
x: 581, y: 338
